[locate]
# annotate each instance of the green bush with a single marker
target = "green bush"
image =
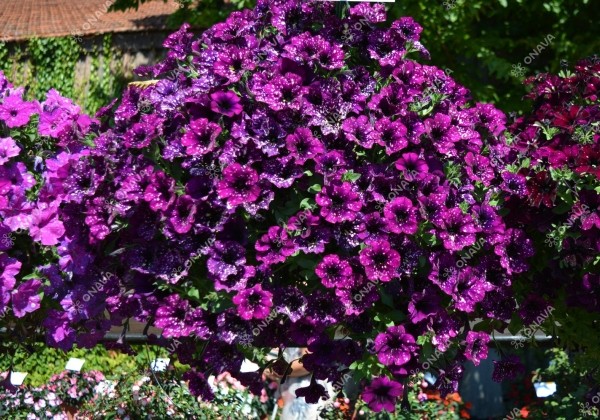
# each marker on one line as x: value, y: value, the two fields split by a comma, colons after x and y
x: 41, y: 362
x: 51, y: 63
x: 481, y: 40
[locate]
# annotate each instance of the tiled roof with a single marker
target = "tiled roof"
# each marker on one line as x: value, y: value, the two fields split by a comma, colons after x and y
x: 23, y: 19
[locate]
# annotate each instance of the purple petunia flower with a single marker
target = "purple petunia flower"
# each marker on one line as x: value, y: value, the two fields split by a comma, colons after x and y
x: 16, y: 112
x: 395, y: 346
x: 382, y: 394
x: 198, y: 385
x: 181, y: 217
x: 160, y: 191
x: 514, y: 251
x: 8, y: 149
x: 442, y: 133
x: 515, y: 184
x: 457, y: 230
x: 334, y: 272
x: 380, y: 261
x: 412, y: 166
x: 254, y: 303
x: 239, y: 185
x: 201, y: 137
x: 303, y: 146
x: 45, y: 226
x: 225, y: 258
x: 25, y: 298
x: 339, y: 203
x: 226, y: 103
x: 476, y: 349
x: 390, y: 134
x: 358, y: 130
x: 423, y: 305
x: 509, y: 367
x: 173, y: 317
x: 467, y: 288
x: 401, y: 216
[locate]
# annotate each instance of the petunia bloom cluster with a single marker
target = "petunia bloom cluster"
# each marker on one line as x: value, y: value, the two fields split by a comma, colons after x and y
x: 289, y: 181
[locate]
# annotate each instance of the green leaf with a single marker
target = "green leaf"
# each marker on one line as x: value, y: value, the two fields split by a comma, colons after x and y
x: 350, y: 176
x: 315, y: 188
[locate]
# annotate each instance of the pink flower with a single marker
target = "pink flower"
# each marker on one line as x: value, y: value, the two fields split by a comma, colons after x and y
x: 45, y: 226
x: 8, y: 149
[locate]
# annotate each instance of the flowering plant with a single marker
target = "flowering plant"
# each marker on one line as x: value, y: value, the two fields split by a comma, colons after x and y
x: 421, y: 403
x: 297, y: 167
x: 555, y: 162
x: 294, y: 178
x: 75, y: 388
x: 63, y: 392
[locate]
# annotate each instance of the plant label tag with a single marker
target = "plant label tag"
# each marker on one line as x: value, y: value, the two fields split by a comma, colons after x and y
x: 544, y: 389
x: 159, y: 365
x: 17, y: 378
x: 75, y: 364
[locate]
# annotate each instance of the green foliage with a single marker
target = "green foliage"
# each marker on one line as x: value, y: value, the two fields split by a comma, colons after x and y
x: 574, y: 376
x: 481, y: 40
x: 51, y: 63
x: 41, y: 362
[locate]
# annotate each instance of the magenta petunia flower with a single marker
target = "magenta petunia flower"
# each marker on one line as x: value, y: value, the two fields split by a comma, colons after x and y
x: 226, y: 103
x: 254, y: 303
x: 182, y: 214
x: 173, y: 317
x: 25, y: 298
x: 382, y: 394
x: 334, y: 272
x: 458, y: 230
x: 339, y: 203
x: 380, y: 261
x: 16, y: 112
x: 395, y: 346
x: 302, y: 145
x: 401, y: 216
x: 160, y: 192
x: 476, y: 349
x: 390, y: 134
x: 45, y: 226
x: 411, y: 166
x: 239, y: 185
x: 201, y: 137
x: 8, y: 149
x: 358, y: 130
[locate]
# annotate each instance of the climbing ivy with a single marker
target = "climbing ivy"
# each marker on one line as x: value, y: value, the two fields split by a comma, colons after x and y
x: 54, y: 63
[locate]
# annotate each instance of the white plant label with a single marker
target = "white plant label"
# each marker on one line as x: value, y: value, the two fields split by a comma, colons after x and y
x: 75, y: 364
x: 159, y: 365
x: 17, y: 378
x: 544, y: 389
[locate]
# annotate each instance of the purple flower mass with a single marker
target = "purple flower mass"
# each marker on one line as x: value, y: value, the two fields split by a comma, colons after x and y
x: 282, y: 177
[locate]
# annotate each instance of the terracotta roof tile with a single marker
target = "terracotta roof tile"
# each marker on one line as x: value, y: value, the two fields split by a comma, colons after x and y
x: 23, y: 19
